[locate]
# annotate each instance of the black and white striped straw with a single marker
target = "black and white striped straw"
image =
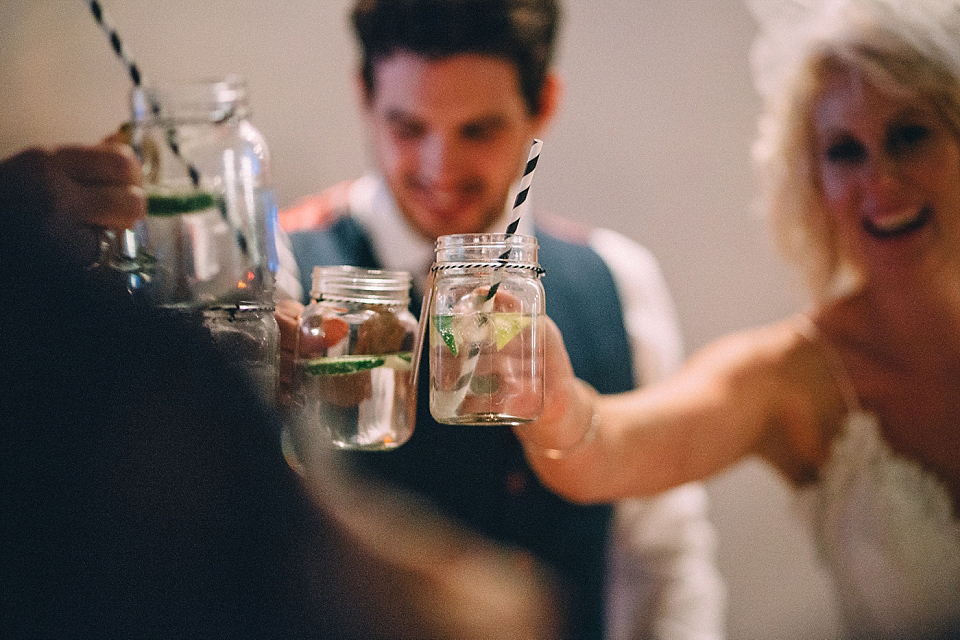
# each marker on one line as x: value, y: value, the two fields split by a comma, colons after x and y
x: 469, y: 366
x: 115, y: 42
x: 518, y: 207
x: 525, y: 181
x: 133, y: 70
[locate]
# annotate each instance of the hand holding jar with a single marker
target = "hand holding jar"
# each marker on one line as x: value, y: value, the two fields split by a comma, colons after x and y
x: 486, y: 352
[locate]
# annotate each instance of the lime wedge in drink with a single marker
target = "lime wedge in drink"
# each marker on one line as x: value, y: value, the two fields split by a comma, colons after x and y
x: 171, y: 204
x: 399, y: 361
x: 341, y: 365
x: 507, y: 325
x: 443, y: 327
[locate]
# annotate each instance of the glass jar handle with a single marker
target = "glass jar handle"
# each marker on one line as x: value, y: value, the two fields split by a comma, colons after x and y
x: 422, y: 324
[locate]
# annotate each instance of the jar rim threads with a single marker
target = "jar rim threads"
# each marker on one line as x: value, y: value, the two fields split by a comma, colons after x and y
x: 359, y: 283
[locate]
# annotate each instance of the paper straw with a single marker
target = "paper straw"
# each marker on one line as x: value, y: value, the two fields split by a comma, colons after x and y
x: 518, y: 207
x: 133, y: 70
x: 525, y: 185
x: 470, y: 364
x: 105, y: 24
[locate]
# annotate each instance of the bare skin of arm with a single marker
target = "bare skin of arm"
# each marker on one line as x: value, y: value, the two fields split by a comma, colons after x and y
x: 766, y: 392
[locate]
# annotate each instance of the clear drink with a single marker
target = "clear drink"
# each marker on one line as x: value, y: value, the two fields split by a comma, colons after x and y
x: 248, y: 335
x: 354, y: 376
x: 196, y: 257
x: 485, y: 307
x: 358, y: 401
x: 484, y: 367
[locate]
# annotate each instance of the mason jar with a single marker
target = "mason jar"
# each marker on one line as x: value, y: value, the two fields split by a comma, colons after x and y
x: 249, y: 336
x: 208, y: 238
x: 486, y: 333
x: 353, y: 386
x: 207, y: 246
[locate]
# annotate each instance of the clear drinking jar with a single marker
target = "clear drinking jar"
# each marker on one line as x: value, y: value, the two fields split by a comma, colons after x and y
x: 249, y: 336
x: 208, y: 238
x: 354, y: 376
x: 486, y: 353
x: 207, y: 247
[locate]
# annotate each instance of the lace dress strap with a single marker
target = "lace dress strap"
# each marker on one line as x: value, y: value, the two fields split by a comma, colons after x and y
x: 809, y: 330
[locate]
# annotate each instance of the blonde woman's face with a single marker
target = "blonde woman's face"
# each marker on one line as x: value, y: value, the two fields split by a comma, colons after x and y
x: 889, y: 167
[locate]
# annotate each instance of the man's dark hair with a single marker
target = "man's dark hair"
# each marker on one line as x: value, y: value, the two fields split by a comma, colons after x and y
x: 520, y: 31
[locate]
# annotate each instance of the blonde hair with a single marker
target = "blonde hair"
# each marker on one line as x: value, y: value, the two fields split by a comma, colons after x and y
x: 902, y: 47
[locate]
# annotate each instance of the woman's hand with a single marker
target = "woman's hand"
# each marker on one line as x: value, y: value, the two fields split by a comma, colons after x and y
x: 288, y: 317
x: 76, y: 191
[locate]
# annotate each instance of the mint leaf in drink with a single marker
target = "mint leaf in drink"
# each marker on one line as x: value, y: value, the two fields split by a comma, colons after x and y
x: 444, y: 328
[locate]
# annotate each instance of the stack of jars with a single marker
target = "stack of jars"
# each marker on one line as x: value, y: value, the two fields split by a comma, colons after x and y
x: 207, y: 247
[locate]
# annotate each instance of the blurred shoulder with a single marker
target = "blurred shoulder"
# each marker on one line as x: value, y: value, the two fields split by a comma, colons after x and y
x: 563, y: 228
x: 614, y: 247
x: 318, y: 211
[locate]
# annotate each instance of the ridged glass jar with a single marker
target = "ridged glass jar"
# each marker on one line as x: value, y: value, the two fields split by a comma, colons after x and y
x: 353, y: 384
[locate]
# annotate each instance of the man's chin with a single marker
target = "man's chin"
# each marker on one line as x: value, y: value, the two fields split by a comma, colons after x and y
x: 446, y: 226
x: 433, y: 224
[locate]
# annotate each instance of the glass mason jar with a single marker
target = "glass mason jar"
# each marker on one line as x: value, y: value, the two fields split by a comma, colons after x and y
x: 486, y: 353
x: 353, y: 386
x: 249, y: 336
x: 207, y: 246
x: 208, y: 238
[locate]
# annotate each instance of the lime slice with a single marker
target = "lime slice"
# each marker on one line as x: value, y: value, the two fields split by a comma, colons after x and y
x: 399, y: 361
x: 507, y: 325
x: 341, y: 365
x: 443, y: 326
x: 170, y: 204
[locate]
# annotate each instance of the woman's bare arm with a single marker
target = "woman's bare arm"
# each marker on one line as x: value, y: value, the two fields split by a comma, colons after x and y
x: 749, y: 393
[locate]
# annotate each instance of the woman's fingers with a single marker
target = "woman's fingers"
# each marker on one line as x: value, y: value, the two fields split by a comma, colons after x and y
x: 105, y: 164
x: 287, y: 314
x: 99, y: 186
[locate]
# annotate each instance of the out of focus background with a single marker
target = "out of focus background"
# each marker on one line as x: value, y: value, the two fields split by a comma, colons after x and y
x: 652, y: 140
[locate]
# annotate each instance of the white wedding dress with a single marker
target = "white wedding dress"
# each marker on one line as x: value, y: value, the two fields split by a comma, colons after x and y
x: 885, y: 527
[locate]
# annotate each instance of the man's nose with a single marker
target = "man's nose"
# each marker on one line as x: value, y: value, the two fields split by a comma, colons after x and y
x: 440, y: 159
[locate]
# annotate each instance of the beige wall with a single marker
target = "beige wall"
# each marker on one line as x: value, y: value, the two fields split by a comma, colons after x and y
x: 652, y: 140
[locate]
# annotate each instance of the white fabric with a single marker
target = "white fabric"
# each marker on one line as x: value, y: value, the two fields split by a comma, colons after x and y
x: 664, y: 583
x: 885, y: 527
x: 287, y: 280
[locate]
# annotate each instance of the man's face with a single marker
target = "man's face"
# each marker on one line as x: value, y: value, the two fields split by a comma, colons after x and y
x: 450, y: 136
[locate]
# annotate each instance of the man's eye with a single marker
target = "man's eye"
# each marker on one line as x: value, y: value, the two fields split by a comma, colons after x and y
x: 407, y: 131
x: 845, y: 151
x: 483, y: 131
x: 477, y: 133
x: 907, y: 137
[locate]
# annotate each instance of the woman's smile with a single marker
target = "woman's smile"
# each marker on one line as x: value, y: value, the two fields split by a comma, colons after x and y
x: 897, y: 223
